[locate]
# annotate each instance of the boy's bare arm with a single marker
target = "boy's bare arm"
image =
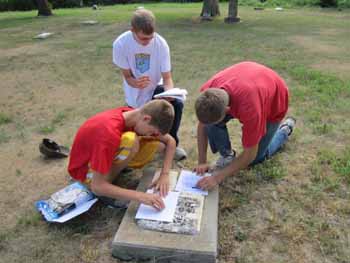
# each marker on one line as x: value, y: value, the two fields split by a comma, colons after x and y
x: 167, y: 80
x: 202, y: 144
x: 241, y: 162
x: 163, y: 182
x: 100, y: 186
x: 170, y: 146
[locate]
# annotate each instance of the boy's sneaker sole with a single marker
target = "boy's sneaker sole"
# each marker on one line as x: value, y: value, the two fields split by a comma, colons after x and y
x: 290, y: 123
x: 180, y: 154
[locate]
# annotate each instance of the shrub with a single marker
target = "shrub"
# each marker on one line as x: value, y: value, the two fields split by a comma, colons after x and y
x: 65, y: 3
x: 17, y: 5
x: 344, y: 3
x: 328, y: 3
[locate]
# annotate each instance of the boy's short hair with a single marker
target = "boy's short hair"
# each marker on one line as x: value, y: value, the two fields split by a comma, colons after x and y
x: 211, y: 105
x: 143, y: 20
x: 162, y: 114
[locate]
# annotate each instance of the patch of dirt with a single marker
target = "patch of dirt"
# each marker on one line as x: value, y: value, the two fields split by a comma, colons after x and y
x: 315, y: 45
x: 334, y: 66
x: 24, y: 50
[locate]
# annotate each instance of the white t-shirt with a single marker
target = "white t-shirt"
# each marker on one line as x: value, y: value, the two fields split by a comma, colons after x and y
x: 150, y: 60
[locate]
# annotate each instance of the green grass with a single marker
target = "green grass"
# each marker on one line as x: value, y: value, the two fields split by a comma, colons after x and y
x: 292, y: 207
x: 5, y: 119
x: 46, y: 129
x: 58, y: 120
x: 338, y: 162
x: 4, y: 137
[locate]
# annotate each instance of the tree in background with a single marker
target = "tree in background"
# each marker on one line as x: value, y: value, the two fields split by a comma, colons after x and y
x: 44, y: 8
x: 232, y: 12
x: 210, y: 9
x: 328, y: 3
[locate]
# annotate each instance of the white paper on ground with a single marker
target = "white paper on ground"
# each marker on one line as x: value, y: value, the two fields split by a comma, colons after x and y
x: 90, y: 22
x: 165, y: 215
x: 76, y: 211
x: 187, y: 182
x: 43, y: 35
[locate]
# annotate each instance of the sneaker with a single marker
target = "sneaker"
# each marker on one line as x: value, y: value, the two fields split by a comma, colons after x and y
x: 180, y: 154
x: 223, y: 161
x: 288, y: 125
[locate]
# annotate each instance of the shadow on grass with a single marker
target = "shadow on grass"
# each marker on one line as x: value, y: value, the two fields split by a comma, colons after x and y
x: 98, y: 218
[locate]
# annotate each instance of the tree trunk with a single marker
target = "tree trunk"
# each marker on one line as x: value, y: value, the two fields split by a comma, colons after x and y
x: 44, y: 8
x: 210, y: 9
x: 232, y: 12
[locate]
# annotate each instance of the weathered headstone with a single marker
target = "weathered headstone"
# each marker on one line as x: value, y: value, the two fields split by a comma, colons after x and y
x: 134, y: 242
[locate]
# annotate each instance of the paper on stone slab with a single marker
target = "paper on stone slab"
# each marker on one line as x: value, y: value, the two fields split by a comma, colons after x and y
x: 187, y: 183
x: 43, y: 35
x: 89, y: 22
x: 187, y: 218
x: 165, y: 215
x: 172, y: 178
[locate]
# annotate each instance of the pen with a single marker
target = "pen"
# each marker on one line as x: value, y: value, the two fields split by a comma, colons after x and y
x: 195, y: 187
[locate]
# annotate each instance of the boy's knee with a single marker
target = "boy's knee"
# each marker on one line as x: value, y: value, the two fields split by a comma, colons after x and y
x: 129, y: 145
x: 161, y: 147
x: 177, y: 104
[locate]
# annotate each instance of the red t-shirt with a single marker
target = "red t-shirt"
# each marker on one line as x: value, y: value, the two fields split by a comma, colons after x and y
x: 96, y: 143
x: 257, y: 95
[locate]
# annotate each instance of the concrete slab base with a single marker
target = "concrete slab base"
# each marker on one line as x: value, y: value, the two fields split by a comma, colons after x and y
x: 134, y: 243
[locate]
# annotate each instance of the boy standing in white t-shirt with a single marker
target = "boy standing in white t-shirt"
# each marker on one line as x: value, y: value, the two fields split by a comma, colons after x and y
x: 144, y: 59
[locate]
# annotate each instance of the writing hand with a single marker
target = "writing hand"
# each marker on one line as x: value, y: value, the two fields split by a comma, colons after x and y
x: 153, y: 200
x: 208, y: 182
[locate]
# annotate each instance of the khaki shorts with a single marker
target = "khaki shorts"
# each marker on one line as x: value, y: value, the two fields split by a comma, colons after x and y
x: 147, y: 150
x: 146, y: 153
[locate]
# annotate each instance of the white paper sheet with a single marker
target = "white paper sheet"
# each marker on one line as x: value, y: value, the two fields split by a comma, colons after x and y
x: 165, y: 215
x: 44, y: 35
x: 187, y: 182
x: 175, y: 93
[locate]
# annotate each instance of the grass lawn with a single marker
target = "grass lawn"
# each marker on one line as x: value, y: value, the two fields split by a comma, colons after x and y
x: 293, y: 208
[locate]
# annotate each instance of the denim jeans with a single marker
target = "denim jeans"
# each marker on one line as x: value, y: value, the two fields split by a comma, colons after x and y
x: 272, y: 141
x: 178, y: 107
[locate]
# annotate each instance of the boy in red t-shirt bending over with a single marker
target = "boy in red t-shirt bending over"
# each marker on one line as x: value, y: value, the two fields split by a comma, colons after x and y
x: 256, y: 96
x: 114, y: 139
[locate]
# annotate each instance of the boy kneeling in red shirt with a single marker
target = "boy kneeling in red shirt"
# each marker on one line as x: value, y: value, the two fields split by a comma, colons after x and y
x: 115, y: 139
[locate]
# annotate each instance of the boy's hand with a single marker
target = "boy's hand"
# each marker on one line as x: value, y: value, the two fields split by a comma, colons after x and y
x: 142, y: 82
x: 153, y: 200
x: 162, y: 184
x: 202, y: 168
x: 208, y: 182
